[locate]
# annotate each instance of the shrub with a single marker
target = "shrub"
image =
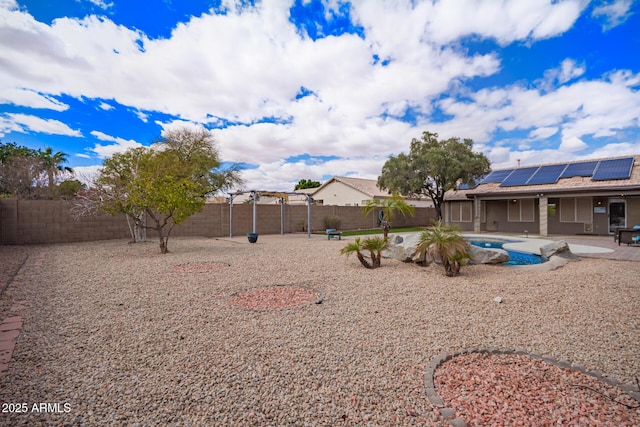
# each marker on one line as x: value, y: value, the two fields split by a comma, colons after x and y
x: 332, y: 221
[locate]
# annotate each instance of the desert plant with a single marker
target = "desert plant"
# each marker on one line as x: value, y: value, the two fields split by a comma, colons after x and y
x: 445, y: 242
x: 332, y: 221
x: 388, y: 209
x: 373, y: 245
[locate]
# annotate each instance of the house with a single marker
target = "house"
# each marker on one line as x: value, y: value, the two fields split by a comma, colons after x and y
x: 348, y: 191
x: 592, y: 197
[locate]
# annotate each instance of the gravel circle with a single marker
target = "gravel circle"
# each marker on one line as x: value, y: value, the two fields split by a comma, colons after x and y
x: 122, y: 339
x: 514, y: 390
x: 199, y: 268
x: 275, y: 297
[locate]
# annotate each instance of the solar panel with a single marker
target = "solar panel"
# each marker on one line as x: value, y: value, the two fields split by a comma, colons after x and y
x: 579, y: 169
x: 547, y: 174
x: 519, y: 177
x: 496, y: 176
x: 613, y: 169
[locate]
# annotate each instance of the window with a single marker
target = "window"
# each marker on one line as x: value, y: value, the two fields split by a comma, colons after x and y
x: 461, y: 211
x: 576, y: 209
x: 521, y: 210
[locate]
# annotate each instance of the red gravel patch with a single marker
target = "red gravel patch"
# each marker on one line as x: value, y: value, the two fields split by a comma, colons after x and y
x: 199, y: 268
x: 275, y: 297
x: 514, y: 390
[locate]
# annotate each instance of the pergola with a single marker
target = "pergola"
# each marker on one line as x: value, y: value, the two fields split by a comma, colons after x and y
x: 283, y: 196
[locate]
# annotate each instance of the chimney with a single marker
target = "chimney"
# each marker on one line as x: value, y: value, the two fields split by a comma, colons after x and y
x: 518, y: 162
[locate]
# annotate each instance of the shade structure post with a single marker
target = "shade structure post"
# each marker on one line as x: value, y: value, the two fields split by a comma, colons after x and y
x: 254, y: 195
x: 282, y: 216
x: 231, y: 196
x: 308, y: 216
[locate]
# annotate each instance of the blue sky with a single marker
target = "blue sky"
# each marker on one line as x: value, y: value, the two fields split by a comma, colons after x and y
x: 312, y: 88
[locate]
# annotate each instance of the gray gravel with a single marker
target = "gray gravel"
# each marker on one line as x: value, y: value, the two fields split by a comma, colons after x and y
x: 124, y: 338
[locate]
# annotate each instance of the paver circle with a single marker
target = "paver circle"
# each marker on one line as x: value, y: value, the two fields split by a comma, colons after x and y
x: 199, y: 267
x: 275, y: 297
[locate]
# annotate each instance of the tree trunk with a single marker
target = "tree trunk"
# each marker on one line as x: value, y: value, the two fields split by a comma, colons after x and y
x: 362, y: 260
x: 376, y: 259
x: 163, y: 243
x: 438, y: 206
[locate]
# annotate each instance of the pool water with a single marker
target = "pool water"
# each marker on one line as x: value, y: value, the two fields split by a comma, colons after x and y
x: 515, y: 258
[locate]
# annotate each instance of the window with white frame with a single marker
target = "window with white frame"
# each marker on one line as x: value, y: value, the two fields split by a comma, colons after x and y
x: 521, y: 210
x: 576, y: 209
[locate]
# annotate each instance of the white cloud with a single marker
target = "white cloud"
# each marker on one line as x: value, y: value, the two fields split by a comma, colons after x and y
x: 108, y: 150
x: 101, y: 4
x: 568, y: 70
x: 87, y: 174
x: 571, y: 144
x: 543, y: 132
x: 106, y: 107
x: 613, y: 13
x: 31, y: 99
x: 446, y: 21
x: 27, y: 123
x: 198, y: 76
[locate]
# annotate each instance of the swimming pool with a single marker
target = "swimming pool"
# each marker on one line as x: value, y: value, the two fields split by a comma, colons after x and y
x: 515, y: 257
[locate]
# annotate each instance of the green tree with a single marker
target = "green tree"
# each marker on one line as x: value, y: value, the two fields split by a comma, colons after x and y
x: 167, y: 181
x: 446, y: 243
x: 52, y: 164
x: 67, y: 189
x: 433, y: 167
x: 388, y: 207
x: 306, y: 183
x: 19, y: 170
x: 374, y: 245
x: 11, y: 149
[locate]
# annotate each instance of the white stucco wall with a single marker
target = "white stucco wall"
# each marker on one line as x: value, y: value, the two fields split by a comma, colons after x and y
x: 339, y: 194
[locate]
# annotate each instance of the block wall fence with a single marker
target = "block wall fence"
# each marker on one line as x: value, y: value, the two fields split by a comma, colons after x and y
x: 49, y: 221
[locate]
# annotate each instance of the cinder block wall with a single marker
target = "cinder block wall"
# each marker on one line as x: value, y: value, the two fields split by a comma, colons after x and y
x: 49, y: 221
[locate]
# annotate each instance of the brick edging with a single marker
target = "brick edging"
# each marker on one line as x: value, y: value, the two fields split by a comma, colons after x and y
x: 449, y: 414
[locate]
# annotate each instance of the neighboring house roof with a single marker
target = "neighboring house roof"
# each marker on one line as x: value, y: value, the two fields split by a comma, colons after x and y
x: 365, y: 186
x: 627, y: 181
x: 306, y: 190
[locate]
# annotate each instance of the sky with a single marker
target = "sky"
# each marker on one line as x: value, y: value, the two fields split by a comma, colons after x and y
x: 310, y: 89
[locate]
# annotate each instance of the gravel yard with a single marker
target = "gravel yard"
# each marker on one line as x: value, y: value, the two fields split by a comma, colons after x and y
x: 126, y: 336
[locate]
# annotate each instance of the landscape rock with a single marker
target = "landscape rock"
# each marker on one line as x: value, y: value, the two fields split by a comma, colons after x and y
x: 498, y: 299
x: 404, y: 248
x: 559, y: 248
x: 488, y: 255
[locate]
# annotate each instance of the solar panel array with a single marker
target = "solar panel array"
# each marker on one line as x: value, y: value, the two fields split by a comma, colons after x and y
x: 547, y: 174
x: 598, y: 170
x: 579, y: 169
x: 519, y: 176
x: 613, y: 169
x: 496, y: 176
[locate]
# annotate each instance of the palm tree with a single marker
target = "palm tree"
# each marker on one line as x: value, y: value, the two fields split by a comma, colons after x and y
x: 388, y: 208
x: 373, y: 245
x: 356, y: 247
x: 52, y: 164
x: 447, y: 243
